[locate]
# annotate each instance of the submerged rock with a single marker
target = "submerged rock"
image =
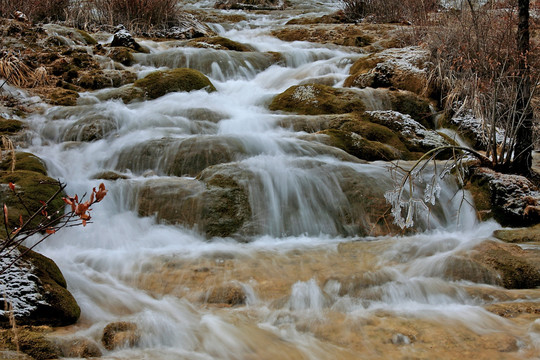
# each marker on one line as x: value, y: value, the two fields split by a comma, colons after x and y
x: 120, y: 334
x: 219, y: 43
x: 80, y: 348
x: 229, y: 295
x: 249, y: 4
x: 159, y: 83
x: 494, y: 263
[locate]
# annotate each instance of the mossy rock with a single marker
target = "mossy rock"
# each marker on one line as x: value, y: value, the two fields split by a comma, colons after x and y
x: 64, y: 97
x: 24, y: 161
x: 317, y: 99
x: 8, y: 127
x: 94, y: 80
x: 60, y: 309
x: 363, y: 65
x: 159, y: 83
x: 32, y: 187
x: 360, y: 147
x: 478, y: 187
x: 80, y: 348
x: 123, y: 55
x: 419, y: 108
x: 376, y: 133
x: 31, y: 341
x: 87, y: 37
x: 220, y: 43
x: 228, y: 295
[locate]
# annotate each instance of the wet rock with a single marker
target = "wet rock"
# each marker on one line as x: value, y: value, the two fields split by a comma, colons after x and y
x: 159, y: 83
x: 10, y: 126
x: 122, y: 55
x: 185, y: 157
x: 513, y: 200
x: 496, y: 264
x: 514, y: 309
x: 126, y: 93
x: 69, y: 36
x: 64, y: 97
x: 216, y: 203
x: 358, y: 146
x: 230, y: 295
x: 93, y: 80
x: 249, y: 4
x: 80, y: 348
x: 32, y: 342
x: 109, y: 175
x: 219, y: 43
x: 120, y: 334
x: 520, y: 235
x: 89, y: 129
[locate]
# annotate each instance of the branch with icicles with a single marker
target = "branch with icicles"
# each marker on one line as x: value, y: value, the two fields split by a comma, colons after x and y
x: 406, y: 198
x: 78, y: 213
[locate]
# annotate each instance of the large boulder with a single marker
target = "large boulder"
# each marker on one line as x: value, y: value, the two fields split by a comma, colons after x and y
x: 36, y: 290
x: 159, y: 83
x: 31, y: 183
x: 494, y: 263
x: 401, y: 68
x: 512, y: 200
x: 317, y: 99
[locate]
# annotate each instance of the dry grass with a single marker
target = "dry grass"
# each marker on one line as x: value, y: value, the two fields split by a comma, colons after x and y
x: 7, y: 150
x: 389, y: 11
x: 14, y: 70
x: 36, y: 10
x: 41, y: 77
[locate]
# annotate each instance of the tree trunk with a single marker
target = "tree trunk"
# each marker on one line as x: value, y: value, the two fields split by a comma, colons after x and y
x: 524, y: 114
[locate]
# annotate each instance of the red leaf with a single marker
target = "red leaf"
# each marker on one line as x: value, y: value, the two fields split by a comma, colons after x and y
x: 50, y: 231
x: 100, y: 194
x: 12, y: 186
x: 5, y: 215
x: 68, y: 201
x: 21, y: 220
x: 84, y: 223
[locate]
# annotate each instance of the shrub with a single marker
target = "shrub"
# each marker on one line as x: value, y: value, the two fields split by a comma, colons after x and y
x: 389, y: 11
x: 36, y: 10
x: 136, y: 15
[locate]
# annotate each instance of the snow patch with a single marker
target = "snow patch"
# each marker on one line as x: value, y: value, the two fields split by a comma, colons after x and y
x: 19, y: 286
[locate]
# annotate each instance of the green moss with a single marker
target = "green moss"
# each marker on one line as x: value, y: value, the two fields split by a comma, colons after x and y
x: 364, y: 64
x: 160, y: 83
x: 30, y: 189
x: 122, y: 55
x: 10, y: 126
x: 376, y: 132
x: 94, y: 80
x: 24, y: 161
x: 87, y: 38
x: 411, y: 104
x: 358, y: 146
x: 317, y: 99
x: 220, y: 42
x: 33, y: 342
x: 64, y: 97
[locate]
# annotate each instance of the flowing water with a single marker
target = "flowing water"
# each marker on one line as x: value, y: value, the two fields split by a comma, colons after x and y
x: 313, y: 288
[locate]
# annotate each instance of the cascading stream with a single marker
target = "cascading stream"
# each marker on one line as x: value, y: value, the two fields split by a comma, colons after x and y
x: 306, y: 281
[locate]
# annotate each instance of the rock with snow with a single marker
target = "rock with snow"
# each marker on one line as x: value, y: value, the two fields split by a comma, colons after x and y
x: 35, y: 291
x: 515, y: 200
x: 474, y: 130
x: 414, y: 134
x: 187, y: 27
x: 122, y: 37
